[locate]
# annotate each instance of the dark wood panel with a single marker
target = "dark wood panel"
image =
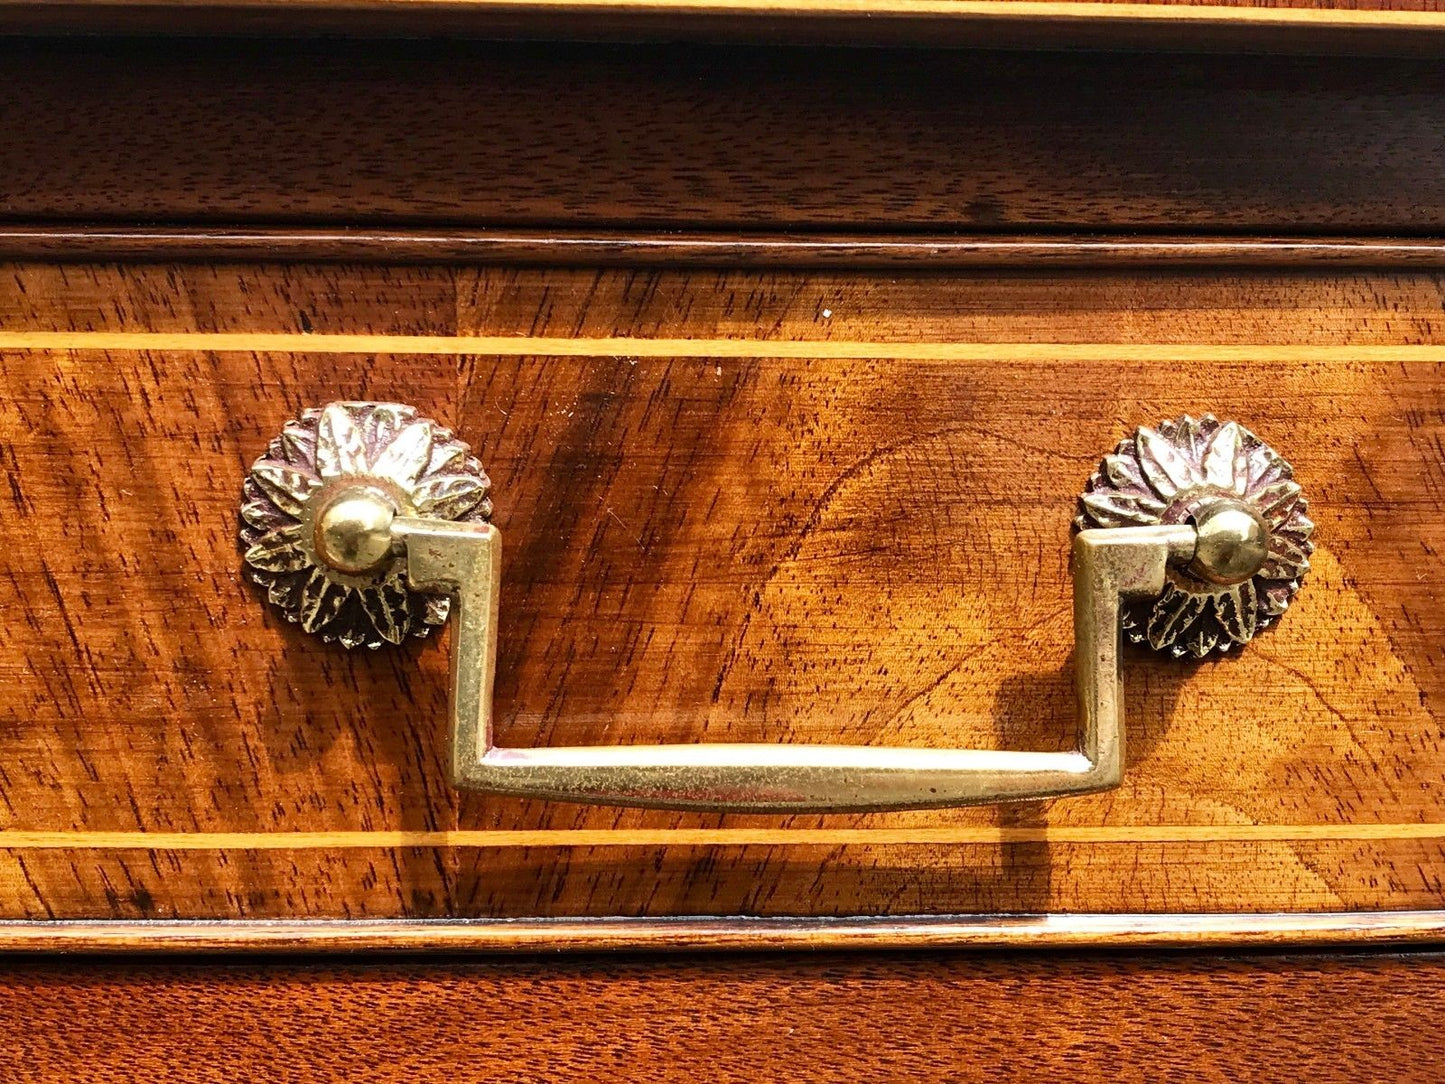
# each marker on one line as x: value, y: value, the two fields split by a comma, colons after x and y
x: 675, y: 527
x: 1384, y: 27
x: 941, y: 1018
x: 569, y: 136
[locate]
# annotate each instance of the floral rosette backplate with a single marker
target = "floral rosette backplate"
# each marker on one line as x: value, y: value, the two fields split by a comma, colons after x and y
x: 419, y: 467
x: 1168, y: 475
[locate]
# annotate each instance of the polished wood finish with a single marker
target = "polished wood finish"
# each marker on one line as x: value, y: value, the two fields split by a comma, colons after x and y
x: 557, y: 137
x: 769, y: 533
x: 905, y: 1017
x: 855, y: 251
x: 693, y: 934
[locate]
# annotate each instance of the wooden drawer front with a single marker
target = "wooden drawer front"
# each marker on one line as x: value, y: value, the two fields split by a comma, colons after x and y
x: 838, y: 512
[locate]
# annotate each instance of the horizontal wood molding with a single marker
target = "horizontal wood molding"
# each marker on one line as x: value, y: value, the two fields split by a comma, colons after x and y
x: 856, y: 251
x: 707, y: 933
x: 1411, y: 14
x: 1413, y: 27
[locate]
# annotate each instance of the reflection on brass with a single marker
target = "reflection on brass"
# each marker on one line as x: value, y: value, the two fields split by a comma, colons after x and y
x: 1254, y: 536
x: 366, y: 522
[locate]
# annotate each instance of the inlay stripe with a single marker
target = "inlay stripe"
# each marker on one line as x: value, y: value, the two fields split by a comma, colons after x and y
x: 544, y: 346
x: 723, y: 837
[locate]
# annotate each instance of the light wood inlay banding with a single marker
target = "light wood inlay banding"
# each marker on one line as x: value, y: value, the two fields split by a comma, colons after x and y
x: 522, y: 346
x: 983, y: 835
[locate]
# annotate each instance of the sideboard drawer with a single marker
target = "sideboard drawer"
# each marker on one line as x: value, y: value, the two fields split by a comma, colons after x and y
x: 782, y: 506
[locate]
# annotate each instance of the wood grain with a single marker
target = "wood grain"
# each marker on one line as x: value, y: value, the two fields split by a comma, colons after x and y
x: 920, y: 1018
x: 688, y: 540
x: 570, y: 137
x: 856, y: 251
x: 1410, y: 27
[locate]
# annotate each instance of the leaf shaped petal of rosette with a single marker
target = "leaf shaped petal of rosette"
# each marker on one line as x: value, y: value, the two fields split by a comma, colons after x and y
x: 358, y: 465
x: 1212, y: 475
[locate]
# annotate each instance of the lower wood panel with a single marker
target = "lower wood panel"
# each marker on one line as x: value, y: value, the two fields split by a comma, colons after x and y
x: 775, y: 539
x: 905, y: 1017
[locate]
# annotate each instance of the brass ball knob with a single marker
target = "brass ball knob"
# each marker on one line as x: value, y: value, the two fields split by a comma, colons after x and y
x: 353, y: 531
x: 1233, y: 543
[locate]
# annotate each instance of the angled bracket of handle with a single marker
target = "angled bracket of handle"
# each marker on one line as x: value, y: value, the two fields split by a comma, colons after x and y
x: 464, y: 561
x: 367, y: 523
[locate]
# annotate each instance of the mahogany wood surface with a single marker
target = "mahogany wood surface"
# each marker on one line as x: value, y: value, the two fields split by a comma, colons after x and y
x: 810, y: 1018
x: 837, y: 509
x: 563, y: 137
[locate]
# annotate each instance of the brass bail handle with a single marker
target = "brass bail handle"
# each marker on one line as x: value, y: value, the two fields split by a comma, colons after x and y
x: 367, y: 523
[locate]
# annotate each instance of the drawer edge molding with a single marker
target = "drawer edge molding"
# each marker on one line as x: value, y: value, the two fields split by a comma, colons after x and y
x: 696, y: 933
x: 1296, y: 27
x: 688, y: 248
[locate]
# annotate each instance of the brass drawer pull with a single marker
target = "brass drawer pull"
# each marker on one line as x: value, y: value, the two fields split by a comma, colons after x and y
x: 365, y: 523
